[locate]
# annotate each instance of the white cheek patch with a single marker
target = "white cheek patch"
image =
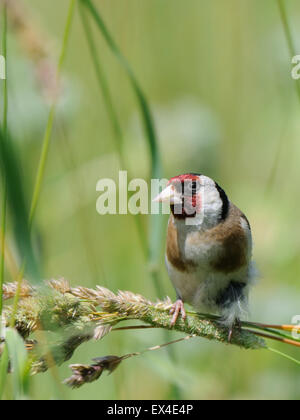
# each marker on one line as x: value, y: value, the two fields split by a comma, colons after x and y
x: 213, y: 202
x: 210, y: 207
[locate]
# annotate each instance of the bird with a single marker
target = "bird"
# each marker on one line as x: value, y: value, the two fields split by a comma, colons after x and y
x: 208, y: 250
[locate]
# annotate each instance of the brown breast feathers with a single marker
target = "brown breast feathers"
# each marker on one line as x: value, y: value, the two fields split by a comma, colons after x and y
x: 235, y: 243
x: 174, y: 254
x: 232, y: 255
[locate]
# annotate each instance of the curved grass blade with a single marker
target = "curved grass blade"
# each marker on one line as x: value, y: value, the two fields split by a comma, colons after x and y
x: 145, y: 110
x: 119, y: 138
x: 103, y: 83
x: 288, y: 35
x: 4, y: 362
x: 270, y: 329
x: 16, y: 200
x: 156, y: 225
x: 45, y: 146
x: 4, y: 195
x: 20, y: 365
x: 276, y: 337
x: 154, y: 245
x: 48, y: 132
x: 286, y: 356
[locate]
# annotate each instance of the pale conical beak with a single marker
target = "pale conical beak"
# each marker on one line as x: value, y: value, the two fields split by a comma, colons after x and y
x: 169, y: 195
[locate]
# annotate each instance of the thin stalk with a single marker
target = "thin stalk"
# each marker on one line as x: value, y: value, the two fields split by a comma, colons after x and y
x: 116, y: 126
x: 286, y: 356
x: 152, y: 246
x: 159, y: 346
x: 288, y: 35
x: 266, y: 328
x: 4, y: 52
x: 289, y: 328
x: 134, y: 327
x: 10, y: 261
x: 46, y: 143
x: 271, y: 337
x: 101, y: 78
x: 145, y: 110
x: 286, y: 27
x: 284, y: 339
x: 83, y: 374
x: 292, y: 53
x: 149, y: 128
x: 4, y: 197
x: 256, y: 325
x: 4, y: 362
x: 42, y: 165
x: 49, y: 127
x: 269, y: 330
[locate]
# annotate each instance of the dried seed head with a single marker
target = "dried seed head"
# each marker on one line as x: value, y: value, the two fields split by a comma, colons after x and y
x: 36, y: 46
x: 9, y: 290
x: 83, y: 374
x: 61, y: 285
x: 101, y: 330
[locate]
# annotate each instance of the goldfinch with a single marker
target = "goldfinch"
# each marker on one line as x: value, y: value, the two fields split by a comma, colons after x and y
x: 209, y: 249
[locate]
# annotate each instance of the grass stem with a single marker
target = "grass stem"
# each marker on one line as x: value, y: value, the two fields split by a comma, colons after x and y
x: 4, y: 195
x: 45, y: 147
x: 49, y: 127
x: 103, y: 83
x: 288, y: 35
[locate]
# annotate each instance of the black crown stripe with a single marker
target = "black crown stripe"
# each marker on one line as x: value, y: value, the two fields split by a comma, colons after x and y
x: 225, y: 202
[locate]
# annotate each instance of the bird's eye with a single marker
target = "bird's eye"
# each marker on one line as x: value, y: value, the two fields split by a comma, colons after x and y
x: 192, y: 187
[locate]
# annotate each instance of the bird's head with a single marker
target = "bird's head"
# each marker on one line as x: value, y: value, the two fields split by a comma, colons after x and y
x: 194, y: 196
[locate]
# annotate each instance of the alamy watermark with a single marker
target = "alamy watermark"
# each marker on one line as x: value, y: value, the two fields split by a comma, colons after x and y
x: 296, y: 330
x: 296, y: 69
x: 2, y: 67
x: 186, y: 199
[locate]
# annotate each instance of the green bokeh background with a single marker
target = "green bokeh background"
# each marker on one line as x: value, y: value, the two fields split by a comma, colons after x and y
x: 217, y: 75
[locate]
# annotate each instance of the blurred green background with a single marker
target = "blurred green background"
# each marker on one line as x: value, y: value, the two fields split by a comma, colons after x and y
x: 217, y: 77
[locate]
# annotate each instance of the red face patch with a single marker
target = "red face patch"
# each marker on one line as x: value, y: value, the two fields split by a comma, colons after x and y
x: 185, y: 177
x: 191, y: 195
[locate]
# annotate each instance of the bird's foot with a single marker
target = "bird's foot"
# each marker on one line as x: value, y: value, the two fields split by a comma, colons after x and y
x: 237, y: 324
x: 177, y: 308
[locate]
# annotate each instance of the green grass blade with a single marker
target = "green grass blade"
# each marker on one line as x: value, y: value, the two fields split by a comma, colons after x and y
x: 119, y: 138
x: 4, y: 195
x: 286, y: 356
x: 156, y: 228
x: 292, y: 53
x: 48, y: 132
x: 18, y: 357
x: 4, y: 53
x: 268, y: 330
x: 102, y: 81
x: 145, y: 110
x: 288, y: 35
x: 286, y: 27
x: 4, y: 361
x: 10, y: 165
x: 3, y: 235
x: 46, y: 143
